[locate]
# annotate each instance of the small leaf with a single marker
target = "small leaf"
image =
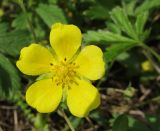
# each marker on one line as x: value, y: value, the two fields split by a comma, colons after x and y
x: 147, y: 5
x: 130, y: 7
x: 120, y: 18
x: 135, y: 125
x: 76, y: 121
x: 12, y: 42
x: 40, y: 122
x: 51, y: 14
x: 20, y: 22
x: 140, y: 22
x: 3, y: 27
x: 98, y: 117
x: 9, y: 79
x: 106, y: 36
x: 121, y: 123
x: 96, y: 12
x: 145, y: 34
x: 116, y: 49
x: 113, y: 28
x: 129, y: 91
x: 53, y: 1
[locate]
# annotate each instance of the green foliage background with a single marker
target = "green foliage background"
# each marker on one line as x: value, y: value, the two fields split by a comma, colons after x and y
x: 128, y: 31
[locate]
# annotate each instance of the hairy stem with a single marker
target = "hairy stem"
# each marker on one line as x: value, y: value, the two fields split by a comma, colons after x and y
x: 152, y: 61
x: 147, y: 48
x: 63, y: 114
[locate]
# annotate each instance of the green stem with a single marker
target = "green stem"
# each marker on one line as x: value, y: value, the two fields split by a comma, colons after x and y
x: 100, y: 82
x: 155, y: 99
x: 21, y: 3
x: 62, y: 113
x: 151, y: 51
x: 90, y: 122
x: 152, y: 61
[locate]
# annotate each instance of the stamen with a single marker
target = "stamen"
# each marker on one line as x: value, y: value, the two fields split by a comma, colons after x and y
x: 64, y: 73
x: 51, y: 64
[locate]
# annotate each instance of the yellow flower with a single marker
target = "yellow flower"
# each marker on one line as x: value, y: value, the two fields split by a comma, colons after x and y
x: 68, y: 71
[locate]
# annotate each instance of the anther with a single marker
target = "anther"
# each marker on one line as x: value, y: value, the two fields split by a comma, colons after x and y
x: 51, y: 64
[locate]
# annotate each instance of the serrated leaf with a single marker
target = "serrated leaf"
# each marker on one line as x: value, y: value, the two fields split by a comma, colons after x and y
x: 51, y: 14
x: 96, y: 12
x: 120, y: 18
x: 12, y: 42
x: 53, y: 1
x: 140, y: 22
x: 145, y: 34
x: 107, y: 5
x: 116, y: 49
x: 121, y: 123
x: 106, y: 36
x: 113, y: 28
x: 147, y: 5
x: 9, y: 79
x: 20, y: 22
x: 3, y: 27
x: 130, y: 7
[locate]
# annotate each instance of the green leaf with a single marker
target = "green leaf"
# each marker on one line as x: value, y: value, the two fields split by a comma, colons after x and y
x: 107, y: 5
x: 51, y: 14
x: 145, y: 34
x: 147, y: 5
x: 154, y: 121
x: 115, y: 50
x: 96, y: 12
x: 140, y: 22
x: 98, y: 117
x: 123, y: 56
x: 20, y: 22
x: 9, y: 79
x: 121, y: 123
x: 40, y: 122
x: 12, y: 42
x: 3, y: 27
x: 130, y: 7
x: 129, y: 91
x: 106, y: 36
x: 135, y: 125
x: 53, y: 1
x: 75, y: 121
x: 113, y: 28
x: 120, y: 18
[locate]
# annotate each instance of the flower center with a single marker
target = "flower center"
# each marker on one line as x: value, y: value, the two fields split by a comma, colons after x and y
x: 64, y: 72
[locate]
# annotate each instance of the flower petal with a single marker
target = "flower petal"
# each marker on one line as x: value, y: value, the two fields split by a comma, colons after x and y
x: 44, y: 95
x: 82, y: 98
x: 91, y: 63
x: 65, y: 40
x: 34, y: 60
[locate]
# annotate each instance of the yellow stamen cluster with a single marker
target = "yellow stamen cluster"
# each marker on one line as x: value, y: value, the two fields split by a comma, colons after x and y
x: 64, y: 72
